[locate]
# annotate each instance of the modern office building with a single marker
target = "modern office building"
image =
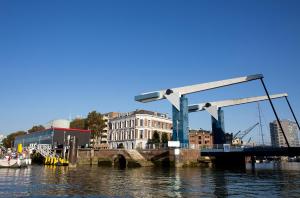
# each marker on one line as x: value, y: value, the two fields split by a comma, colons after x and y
x: 291, y: 132
x: 200, y: 138
x: 102, y: 142
x: 57, y: 137
x: 132, y: 130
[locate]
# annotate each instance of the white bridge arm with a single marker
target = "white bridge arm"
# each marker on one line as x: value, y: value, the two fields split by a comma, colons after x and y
x: 171, y: 94
x: 233, y: 102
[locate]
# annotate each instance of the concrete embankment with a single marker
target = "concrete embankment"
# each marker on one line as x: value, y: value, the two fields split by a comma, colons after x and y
x: 137, y: 158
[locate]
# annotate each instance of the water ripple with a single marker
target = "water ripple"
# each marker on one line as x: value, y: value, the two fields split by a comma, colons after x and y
x: 276, y: 180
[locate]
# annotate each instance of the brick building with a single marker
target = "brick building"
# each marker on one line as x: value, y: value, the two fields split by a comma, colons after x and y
x: 200, y: 138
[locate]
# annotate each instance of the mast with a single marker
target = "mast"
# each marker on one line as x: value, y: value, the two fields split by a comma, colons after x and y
x: 260, y: 125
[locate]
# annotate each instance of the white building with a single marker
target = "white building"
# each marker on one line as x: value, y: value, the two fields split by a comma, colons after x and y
x: 60, y: 123
x: 132, y: 130
x: 290, y: 129
x: 1, y: 138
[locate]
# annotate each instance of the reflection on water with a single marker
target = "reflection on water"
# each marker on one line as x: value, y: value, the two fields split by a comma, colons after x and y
x: 273, y: 179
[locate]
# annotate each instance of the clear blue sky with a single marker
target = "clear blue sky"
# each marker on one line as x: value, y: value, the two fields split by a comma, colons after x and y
x: 61, y: 58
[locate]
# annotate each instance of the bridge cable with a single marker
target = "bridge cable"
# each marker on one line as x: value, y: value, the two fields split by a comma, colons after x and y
x: 277, y: 118
x: 292, y: 111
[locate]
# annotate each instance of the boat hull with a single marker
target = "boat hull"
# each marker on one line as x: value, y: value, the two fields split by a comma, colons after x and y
x: 13, y: 163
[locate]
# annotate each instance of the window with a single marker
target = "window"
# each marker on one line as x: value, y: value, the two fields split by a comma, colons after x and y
x: 136, y: 122
x: 141, y: 122
x: 141, y: 134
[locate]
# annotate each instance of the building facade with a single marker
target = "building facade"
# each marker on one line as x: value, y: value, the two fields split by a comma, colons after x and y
x: 133, y: 130
x: 200, y: 138
x: 291, y: 132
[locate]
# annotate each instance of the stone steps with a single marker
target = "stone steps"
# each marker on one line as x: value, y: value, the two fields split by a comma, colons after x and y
x: 136, y: 156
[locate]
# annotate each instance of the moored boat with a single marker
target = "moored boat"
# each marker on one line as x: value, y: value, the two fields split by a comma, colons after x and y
x: 8, y: 162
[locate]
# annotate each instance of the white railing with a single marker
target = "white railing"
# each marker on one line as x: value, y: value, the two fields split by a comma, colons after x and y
x: 222, y: 148
x: 44, y: 149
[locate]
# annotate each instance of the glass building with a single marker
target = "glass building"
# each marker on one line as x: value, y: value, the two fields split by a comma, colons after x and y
x: 57, y: 137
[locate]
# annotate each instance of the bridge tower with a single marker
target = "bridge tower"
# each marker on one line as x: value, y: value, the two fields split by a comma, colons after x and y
x: 180, y: 120
x: 218, y: 128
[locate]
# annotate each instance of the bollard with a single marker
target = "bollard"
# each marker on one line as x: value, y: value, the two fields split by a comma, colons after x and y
x: 20, y: 148
x: 73, y: 152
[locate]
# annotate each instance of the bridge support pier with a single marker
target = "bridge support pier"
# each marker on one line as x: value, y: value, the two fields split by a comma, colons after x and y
x: 252, y: 162
x: 181, y: 122
x: 73, y: 152
x: 230, y: 161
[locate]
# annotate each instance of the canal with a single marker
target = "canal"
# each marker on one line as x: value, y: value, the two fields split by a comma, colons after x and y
x: 267, y: 180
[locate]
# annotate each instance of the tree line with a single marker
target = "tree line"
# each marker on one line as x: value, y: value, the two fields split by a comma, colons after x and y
x: 94, y: 122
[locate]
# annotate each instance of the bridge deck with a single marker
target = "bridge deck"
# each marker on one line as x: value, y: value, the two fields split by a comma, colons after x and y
x: 253, y: 151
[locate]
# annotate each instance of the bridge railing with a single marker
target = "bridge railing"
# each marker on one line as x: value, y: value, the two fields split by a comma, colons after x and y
x: 205, y: 148
x: 157, y: 146
x: 222, y: 148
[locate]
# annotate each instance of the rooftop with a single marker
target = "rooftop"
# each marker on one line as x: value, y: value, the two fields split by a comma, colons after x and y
x: 199, y: 131
x: 142, y: 111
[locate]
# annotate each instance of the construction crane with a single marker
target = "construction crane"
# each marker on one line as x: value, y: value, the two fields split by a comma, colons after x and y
x: 238, y: 137
x: 249, y: 140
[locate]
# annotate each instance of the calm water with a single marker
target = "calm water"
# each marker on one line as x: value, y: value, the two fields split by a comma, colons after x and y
x: 268, y: 180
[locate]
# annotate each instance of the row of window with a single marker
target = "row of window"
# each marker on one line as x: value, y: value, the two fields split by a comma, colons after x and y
x: 129, y: 135
x: 205, y: 142
x: 140, y: 123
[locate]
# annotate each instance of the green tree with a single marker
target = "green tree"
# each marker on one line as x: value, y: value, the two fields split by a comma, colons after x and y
x: 120, y: 146
x: 164, y: 138
x: 155, y: 138
x: 8, y: 142
x: 78, y: 123
x: 149, y: 141
x: 96, y: 124
x: 36, y: 128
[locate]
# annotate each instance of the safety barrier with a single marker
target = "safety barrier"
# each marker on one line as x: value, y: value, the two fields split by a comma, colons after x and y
x: 50, y: 157
x: 56, y: 161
